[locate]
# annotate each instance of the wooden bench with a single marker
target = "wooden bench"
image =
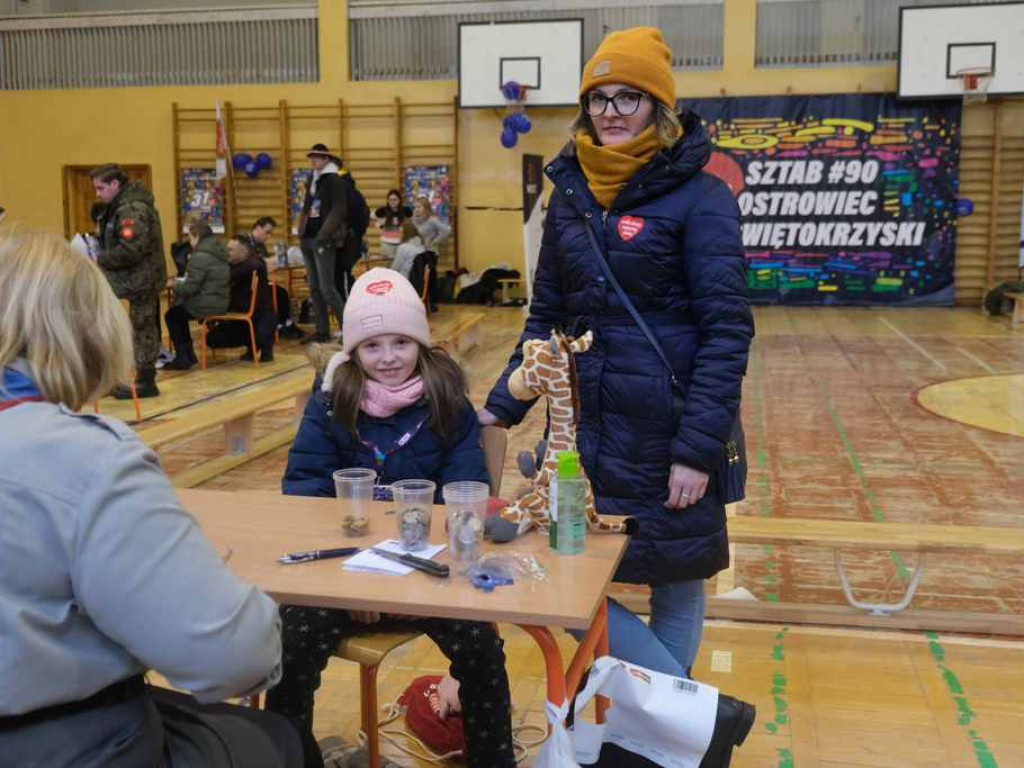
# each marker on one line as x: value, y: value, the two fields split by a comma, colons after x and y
x: 236, y: 413
x: 462, y: 333
x: 926, y: 540
x: 1017, y: 300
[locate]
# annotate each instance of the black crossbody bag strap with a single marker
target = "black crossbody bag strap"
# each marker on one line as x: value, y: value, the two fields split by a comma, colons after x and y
x: 624, y: 299
x: 734, y: 479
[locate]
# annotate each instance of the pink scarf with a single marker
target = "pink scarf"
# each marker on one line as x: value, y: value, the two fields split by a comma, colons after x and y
x: 381, y: 401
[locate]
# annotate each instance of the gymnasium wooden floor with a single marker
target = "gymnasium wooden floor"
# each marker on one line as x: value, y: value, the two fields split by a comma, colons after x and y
x: 851, y: 414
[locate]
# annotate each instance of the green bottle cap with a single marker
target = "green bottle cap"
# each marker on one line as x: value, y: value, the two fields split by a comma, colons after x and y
x: 568, y: 464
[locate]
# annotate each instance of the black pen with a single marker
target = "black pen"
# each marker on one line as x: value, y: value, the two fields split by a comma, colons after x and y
x: 316, y: 554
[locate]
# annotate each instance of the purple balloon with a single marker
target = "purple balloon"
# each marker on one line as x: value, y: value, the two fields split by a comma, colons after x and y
x: 523, y: 124
x: 241, y: 159
x: 509, y: 138
x: 252, y: 170
x: 264, y: 161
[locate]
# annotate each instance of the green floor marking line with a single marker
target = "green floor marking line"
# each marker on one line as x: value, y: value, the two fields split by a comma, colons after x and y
x: 964, y: 714
x: 779, y: 717
x: 858, y: 469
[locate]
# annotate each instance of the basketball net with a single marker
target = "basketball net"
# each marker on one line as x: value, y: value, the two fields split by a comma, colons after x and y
x: 975, y: 82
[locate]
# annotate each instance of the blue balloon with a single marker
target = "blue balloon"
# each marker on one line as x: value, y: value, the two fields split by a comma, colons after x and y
x: 964, y: 206
x: 508, y: 122
x: 522, y: 123
x: 511, y: 90
x: 252, y: 170
x: 241, y: 159
x: 264, y: 161
x: 509, y: 138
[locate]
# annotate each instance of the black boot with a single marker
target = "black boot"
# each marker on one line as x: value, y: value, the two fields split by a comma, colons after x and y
x: 145, y: 383
x: 732, y: 724
x: 184, y: 358
x: 145, y: 386
x: 734, y: 720
x: 267, y: 355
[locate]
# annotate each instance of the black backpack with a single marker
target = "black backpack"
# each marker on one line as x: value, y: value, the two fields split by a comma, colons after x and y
x: 358, y: 210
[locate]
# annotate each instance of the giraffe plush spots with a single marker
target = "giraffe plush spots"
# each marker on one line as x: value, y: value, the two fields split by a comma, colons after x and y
x: 549, y: 369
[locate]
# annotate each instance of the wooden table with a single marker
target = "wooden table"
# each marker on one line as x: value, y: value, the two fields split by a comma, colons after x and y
x: 259, y: 527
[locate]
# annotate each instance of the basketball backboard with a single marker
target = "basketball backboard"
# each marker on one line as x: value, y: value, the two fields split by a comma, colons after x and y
x: 938, y: 44
x: 546, y: 56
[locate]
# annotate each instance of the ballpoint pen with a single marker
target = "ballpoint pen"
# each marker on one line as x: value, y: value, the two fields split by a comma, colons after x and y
x: 316, y: 554
x: 419, y: 563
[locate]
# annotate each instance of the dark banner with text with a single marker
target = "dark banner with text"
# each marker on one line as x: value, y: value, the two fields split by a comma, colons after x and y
x: 846, y: 199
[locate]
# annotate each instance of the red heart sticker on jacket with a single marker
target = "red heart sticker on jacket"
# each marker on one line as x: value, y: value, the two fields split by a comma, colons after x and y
x: 380, y: 287
x: 630, y: 227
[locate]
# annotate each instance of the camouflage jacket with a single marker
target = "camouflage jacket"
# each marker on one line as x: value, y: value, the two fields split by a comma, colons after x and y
x: 131, y: 243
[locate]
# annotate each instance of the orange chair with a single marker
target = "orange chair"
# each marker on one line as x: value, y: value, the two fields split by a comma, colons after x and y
x: 245, y: 317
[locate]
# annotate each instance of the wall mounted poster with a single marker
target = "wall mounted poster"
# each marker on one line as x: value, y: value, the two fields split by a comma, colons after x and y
x: 430, y: 181
x: 201, y: 196
x: 845, y: 199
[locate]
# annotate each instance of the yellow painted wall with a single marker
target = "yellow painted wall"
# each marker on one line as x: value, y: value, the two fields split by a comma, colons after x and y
x: 41, y: 131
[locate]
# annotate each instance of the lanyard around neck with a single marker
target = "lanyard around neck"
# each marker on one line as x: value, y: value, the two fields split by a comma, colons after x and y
x: 380, y: 457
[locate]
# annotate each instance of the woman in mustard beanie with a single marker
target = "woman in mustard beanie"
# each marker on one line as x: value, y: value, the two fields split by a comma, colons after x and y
x: 653, y: 440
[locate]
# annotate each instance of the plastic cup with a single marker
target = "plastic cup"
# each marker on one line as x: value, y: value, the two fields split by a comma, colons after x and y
x: 413, y: 500
x: 466, y: 504
x: 355, y: 489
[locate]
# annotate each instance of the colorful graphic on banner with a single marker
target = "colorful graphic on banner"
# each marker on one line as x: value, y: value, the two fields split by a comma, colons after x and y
x: 430, y: 181
x: 846, y: 199
x: 202, y: 198
x: 297, y: 186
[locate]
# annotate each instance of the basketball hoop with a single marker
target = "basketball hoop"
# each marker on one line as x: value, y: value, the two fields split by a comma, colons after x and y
x: 975, y: 82
x: 515, y: 120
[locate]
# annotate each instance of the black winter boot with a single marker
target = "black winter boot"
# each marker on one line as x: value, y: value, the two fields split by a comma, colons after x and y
x: 184, y: 358
x: 733, y: 722
x: 145, y: 383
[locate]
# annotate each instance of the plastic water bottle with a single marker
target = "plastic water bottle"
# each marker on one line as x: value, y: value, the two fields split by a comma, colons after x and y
x: 567, y: 507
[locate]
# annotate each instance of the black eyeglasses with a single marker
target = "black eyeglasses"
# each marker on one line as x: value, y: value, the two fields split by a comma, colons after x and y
x: 626, y: 102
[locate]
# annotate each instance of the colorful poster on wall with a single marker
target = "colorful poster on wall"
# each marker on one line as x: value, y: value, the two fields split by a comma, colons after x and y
x: 430, y: 181
x: 202, y: 198
x: 846, y: 199
x: 297, y: 186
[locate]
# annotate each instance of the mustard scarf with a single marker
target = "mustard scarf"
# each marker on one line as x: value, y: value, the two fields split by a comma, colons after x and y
x: 608, y: 169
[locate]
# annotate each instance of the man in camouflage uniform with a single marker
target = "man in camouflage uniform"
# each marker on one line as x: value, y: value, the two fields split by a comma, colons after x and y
x: 132, y: 257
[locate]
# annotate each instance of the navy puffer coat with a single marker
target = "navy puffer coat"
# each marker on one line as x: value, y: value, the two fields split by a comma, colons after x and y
x: 672, y: 238
x: 323, y: 445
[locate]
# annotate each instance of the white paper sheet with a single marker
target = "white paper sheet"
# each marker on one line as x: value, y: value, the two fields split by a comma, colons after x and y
x: 368, y: 561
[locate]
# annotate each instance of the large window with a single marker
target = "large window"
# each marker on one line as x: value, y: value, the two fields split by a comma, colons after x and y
x: 413, y: 40
x: 256, y: 45
x: 828, y: 33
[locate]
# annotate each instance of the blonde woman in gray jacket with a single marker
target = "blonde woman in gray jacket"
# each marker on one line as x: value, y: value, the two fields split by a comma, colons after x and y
x: 103, y: 576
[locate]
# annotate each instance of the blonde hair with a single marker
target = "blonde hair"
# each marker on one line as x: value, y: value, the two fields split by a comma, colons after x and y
x: 57, y: 311
x: 666, y: 124
x: 425, y: 202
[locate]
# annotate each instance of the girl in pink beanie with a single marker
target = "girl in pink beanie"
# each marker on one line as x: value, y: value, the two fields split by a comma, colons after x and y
x: 391, y: 402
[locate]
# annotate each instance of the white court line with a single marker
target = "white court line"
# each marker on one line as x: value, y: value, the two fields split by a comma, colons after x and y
x: 915, y: 345
x: 979, y: 361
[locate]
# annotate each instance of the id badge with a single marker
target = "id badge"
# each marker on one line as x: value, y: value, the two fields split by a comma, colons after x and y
x: 314, y: 211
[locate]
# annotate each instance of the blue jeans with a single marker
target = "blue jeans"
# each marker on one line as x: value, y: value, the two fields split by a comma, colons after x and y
x: 669, y: 644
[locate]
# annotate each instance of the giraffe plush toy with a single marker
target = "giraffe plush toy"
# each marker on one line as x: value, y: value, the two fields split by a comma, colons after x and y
x: 549, y: 369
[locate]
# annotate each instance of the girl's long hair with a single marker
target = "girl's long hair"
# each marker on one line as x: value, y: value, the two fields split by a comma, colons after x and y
x: 444, y: 386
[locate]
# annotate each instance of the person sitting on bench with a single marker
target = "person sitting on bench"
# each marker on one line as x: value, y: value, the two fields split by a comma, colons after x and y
x: 235, y: 333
